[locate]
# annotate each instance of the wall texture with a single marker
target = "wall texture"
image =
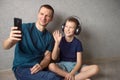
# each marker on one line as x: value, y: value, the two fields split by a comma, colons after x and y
x: 100, y: 24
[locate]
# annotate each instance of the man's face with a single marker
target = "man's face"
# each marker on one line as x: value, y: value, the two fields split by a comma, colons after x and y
x: 44, y: 16
x: 69, y: 28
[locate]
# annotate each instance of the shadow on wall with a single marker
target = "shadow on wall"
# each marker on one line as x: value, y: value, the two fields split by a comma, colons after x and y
x: 56, y: 23
x: 85, y: 37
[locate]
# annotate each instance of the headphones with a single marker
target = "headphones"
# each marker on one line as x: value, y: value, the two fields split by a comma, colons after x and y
x: 73, y: 19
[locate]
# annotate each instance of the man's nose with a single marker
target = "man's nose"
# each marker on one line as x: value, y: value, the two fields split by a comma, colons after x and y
x: 44, y: 17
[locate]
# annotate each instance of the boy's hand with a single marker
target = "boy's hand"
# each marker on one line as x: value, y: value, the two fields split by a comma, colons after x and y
x: 57, y: 36
x: 69, y: 77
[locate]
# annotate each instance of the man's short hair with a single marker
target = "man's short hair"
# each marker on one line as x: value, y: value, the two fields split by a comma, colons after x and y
x: 48, y: 7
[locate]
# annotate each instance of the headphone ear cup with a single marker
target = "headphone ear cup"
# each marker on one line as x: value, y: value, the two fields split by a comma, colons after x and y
x: 78, y: 30
x: 63, y: 27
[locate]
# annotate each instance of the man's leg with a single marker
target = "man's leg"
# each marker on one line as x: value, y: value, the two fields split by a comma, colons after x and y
x: 25, y: 74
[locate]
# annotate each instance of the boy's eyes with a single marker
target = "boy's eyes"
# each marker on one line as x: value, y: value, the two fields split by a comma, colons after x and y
x: 69, y: 27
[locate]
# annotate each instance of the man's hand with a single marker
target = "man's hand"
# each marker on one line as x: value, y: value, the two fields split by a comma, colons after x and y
x: 35, y: 68
x: 15, y: 34
x: 14, y: 37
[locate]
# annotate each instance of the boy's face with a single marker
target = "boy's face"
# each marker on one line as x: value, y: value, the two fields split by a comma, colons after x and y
x: 44, y: 16
x: 69, y: 28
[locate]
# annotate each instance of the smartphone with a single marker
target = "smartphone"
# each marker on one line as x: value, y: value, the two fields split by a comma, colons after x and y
x: 18, y: 23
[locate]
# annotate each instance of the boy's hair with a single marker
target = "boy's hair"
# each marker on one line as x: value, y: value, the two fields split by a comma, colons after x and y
x: 73, y: 19
x: 48, y: 7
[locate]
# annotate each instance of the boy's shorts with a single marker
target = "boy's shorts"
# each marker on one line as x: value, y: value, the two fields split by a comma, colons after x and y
x: 67, y: 66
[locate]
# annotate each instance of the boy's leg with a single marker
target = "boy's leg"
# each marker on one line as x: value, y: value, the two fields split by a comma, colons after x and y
x: 25, y: 74
x: 56, y: 69
x: 86, y: 72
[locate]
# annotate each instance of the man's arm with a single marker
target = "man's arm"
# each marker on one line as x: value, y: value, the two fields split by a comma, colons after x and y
x: 13, y: 38
x: 46, y: 60
x: 7, y: 44
x: 43, y: 64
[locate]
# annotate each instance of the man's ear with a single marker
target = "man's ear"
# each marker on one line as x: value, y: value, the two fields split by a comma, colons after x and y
x: 51, y: 19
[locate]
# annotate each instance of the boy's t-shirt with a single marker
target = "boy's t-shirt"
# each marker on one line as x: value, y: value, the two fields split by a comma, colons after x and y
x: 68, y: 50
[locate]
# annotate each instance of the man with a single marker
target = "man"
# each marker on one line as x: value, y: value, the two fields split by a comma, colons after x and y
x: 33, y: 47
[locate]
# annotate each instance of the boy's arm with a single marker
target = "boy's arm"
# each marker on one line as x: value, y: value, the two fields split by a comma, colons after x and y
x: 57, y: 37
x: 55, y: 52
x: 78, y: 63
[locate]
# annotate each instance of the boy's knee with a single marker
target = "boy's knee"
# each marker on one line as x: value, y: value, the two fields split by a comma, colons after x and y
x: 51, y: 66
x: 95, y: 69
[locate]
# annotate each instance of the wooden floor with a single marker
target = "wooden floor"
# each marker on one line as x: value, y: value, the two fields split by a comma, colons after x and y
x: 7, y: 75
x: 108, y: 71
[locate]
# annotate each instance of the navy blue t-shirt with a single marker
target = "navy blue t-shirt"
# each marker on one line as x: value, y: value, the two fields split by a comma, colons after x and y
x: 30, y: 50
x: 68, y: 50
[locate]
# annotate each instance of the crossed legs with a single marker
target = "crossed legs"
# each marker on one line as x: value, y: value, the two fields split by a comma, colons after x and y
x: 85, y: 73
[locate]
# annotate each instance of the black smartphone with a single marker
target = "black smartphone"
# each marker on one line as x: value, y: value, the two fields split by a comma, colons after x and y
x: 18, y: 23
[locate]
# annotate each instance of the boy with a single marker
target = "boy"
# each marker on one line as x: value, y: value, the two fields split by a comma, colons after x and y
x: 69, y: 51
